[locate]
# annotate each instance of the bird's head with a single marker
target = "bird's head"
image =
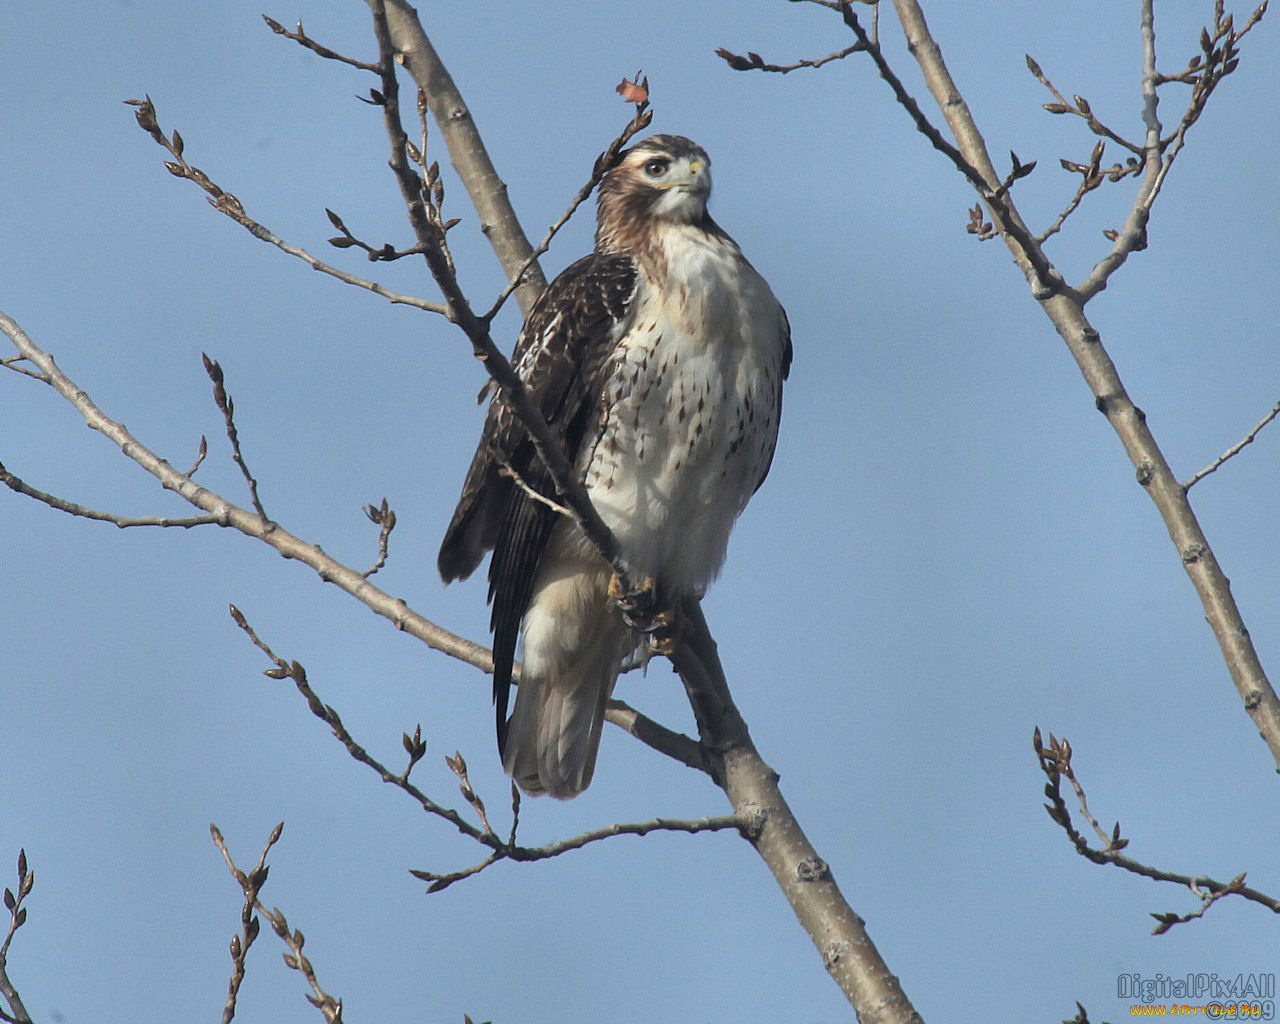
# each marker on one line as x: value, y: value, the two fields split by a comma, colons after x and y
x: 665, y: 177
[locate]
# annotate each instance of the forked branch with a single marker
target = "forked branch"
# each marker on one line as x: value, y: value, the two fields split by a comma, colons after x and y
x: 1065, y: 309
x: 251, y: 883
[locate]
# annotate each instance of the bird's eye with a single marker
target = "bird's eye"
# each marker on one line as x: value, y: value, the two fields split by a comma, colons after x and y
x: 657, y: 168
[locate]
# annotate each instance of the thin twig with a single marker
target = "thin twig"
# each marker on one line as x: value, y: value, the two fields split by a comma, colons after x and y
x: 251, y: 884
x: 227, y: 407
x: 1045, y: 278
x: 604, y: 163
x: 387, y: 253
x: 458, y: 766
x: 71, y: 508
x: 1234, y: 450
x: 506, y: 469
x: 1092, y: 175
x: 485, y: 834
x: 1055, y: 762
x: 200, y: 456
x: 12, y: 364
x: 1080, y: 108
x: 467, y: 153
x: 636, y: 828
x: 303, y: 39
x: 294, y: 671
x: 754, y: 62
x: 1218, y: 58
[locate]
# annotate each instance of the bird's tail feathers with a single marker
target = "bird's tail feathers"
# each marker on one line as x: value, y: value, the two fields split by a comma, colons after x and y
x: 554, y: 734
x: 566, y: 678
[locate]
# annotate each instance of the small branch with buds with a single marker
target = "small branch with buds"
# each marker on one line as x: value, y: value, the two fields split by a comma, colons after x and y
x: 225, y: 202
x: 1080, y: 107
x: 384, y: 518
x: 1055, y: 762
x: 636, y: 92
x: 227, y: 408
x: 754, y: 62
x: 17, y: 1013
x: 301, y: 38
x: 1092, y: 175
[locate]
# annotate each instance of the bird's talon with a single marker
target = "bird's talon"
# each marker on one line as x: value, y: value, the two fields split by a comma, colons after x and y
x: 638, y: 604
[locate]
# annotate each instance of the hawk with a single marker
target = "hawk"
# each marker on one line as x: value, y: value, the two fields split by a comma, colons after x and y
x: 658, y: 362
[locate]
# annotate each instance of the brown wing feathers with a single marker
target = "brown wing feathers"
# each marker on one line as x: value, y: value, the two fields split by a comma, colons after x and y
x: 562, y: 355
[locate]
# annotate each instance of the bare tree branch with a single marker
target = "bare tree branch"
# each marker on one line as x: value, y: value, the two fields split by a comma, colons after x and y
x: 249, y: 523
x: 1055, y: 762
x: 302, y: 39
x: 1092, y: 175
x: 675, y: 745
x: 12, y: 364
x: 746, y: 820
x: 604, y: 163
x: 227, y: 408
x: 754, y: 62
x: 294, y: 671
x: 742, y: 824
x: 1080, y: 107
x: 1219, y: 60
x: 971, y: 158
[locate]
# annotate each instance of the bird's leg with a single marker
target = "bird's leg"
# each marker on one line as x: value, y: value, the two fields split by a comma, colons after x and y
x: 642, y: 609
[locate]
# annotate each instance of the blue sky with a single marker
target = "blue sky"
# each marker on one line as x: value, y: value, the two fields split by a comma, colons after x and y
x: 951, y: 548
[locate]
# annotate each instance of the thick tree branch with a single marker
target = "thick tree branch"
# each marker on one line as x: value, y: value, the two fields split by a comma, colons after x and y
x: 1065, y: 310
x: 467, y: 151
x: 840, y: 936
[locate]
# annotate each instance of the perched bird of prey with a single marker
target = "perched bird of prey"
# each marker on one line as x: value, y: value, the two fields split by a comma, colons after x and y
x: 658, y: 362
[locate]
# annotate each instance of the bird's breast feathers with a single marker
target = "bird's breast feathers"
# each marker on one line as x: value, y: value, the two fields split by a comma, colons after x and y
x: 689, y: 411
